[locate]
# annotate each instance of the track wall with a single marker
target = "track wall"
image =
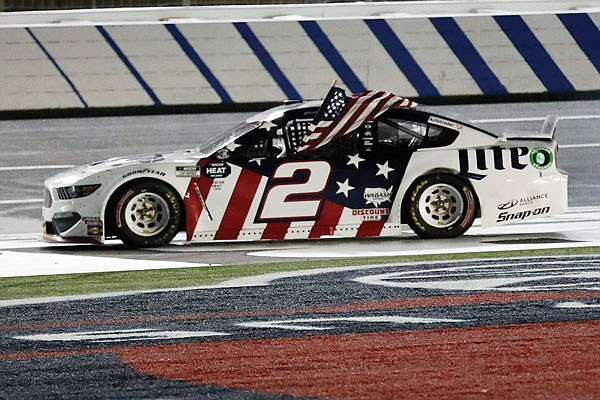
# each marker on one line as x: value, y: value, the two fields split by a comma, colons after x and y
x: 81, y: 65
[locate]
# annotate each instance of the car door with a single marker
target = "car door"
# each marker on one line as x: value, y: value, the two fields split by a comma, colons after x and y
x: 262, y: 187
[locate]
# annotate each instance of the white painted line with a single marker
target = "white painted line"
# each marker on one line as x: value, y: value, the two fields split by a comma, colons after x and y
x: 353, y: 252
x: 530, y: 119
x: 499, y: 120
x: 306, y: 324
x: 576, y: 304
x: 119, y: 335
x: 20, y: 201
x: 29, y: 167
x: 516, y: 276
x: 570, y: 117
x: 13, y: 264
x: 577, y: 146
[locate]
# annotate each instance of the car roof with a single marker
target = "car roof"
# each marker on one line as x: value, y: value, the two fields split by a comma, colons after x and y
x: 277, y: 112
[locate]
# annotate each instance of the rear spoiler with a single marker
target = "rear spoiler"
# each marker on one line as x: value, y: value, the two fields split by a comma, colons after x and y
x: 549, y: 127
x: 546, y: 133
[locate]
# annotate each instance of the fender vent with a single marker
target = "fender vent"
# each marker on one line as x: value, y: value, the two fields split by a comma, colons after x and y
x: 62, y: 193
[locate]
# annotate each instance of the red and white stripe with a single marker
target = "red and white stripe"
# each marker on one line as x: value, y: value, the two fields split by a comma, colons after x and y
x: 235, y: 203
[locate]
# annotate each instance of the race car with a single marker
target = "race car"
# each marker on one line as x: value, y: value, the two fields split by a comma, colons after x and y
x: 345, y: 166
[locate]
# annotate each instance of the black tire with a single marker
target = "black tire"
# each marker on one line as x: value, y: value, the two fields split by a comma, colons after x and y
x: 440, y: 206
x: 147, y: 214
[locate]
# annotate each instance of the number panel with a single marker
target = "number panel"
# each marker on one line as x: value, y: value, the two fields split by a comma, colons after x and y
x: 293, y: 191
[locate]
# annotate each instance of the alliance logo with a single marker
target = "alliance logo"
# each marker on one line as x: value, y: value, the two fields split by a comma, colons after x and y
x: 508, y: 204
x: 524, y: 201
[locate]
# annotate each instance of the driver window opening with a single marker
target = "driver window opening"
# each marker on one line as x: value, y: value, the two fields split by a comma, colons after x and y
x: 296, y: 129
x: 260, y: 144
x: 395, y: 133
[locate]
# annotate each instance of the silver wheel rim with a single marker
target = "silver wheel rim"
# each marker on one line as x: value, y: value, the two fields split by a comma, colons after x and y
x: 441, y: 205
x: 147, y: 214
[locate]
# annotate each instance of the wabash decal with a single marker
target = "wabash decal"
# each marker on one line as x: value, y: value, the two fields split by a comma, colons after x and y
x: 496, y: 158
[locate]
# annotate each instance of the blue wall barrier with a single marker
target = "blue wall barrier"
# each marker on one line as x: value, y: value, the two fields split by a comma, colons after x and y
x: 189, y: 62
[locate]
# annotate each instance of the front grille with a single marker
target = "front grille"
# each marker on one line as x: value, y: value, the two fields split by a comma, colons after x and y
x: 47, y: 198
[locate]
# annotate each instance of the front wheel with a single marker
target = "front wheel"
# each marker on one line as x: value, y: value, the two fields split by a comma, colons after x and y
x: 147, y: 214
x: 440, y: 206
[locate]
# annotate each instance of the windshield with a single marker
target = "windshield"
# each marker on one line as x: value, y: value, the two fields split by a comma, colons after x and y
x: 223, y: 139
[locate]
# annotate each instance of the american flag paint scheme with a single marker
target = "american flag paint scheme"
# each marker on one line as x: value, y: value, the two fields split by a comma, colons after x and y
x: 339, y: 114
x: 348, y: 166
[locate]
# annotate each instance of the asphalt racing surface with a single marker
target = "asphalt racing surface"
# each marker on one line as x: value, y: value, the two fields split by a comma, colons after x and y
x: 505, y: 328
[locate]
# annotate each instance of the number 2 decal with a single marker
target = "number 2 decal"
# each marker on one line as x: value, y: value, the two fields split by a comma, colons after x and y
x: 288, y: 199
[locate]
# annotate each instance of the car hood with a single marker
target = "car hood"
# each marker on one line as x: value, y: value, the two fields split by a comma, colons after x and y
x: 118, y: 164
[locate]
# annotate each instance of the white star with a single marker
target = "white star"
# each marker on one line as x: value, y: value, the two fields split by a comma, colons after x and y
x: 257, y: 160
x: 344, y: 187
x: 232, y: 146
x: 355, y: 160
x: 384, y: 170
x: 268, y: 125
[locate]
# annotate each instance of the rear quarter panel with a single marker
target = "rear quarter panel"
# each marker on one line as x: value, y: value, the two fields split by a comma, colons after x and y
x: 509, y: 183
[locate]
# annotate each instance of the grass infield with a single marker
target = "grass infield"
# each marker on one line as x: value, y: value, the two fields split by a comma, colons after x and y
x: 106, y: 282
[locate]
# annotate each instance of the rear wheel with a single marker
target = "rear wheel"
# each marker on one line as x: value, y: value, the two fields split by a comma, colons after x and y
x: 440, y: 206
x: 147, y: 214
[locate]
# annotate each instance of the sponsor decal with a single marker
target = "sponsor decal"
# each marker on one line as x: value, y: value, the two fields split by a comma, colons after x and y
x: 445, y: 123
x: 216, y: 170
x: 523, y: 201
x: 367, y: 138
x: 508, y: 204
x: 541, y: 157
x: 94, y: 226
x: 223, y: 154
x: 501, y: 159
x: 526, y: 201
x: 217, y: 184
x: 371, y: 214
x: 187, y: 171
x: 377, y: 196
x: 145, y: 171
x: 521, y: 215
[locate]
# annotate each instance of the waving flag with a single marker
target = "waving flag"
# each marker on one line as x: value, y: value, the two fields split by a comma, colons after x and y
x: 339, y: 114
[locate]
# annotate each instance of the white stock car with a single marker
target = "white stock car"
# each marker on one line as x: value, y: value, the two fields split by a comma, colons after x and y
x: 406, y: 165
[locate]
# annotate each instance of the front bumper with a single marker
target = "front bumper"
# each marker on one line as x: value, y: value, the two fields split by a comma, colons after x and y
x: 63, y: 220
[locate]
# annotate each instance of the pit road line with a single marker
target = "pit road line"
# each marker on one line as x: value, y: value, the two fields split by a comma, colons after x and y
x: 531, y: 119
x: 32, y: 167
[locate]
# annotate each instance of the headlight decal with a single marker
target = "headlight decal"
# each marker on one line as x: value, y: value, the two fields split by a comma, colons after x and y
x: 74, y: 192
